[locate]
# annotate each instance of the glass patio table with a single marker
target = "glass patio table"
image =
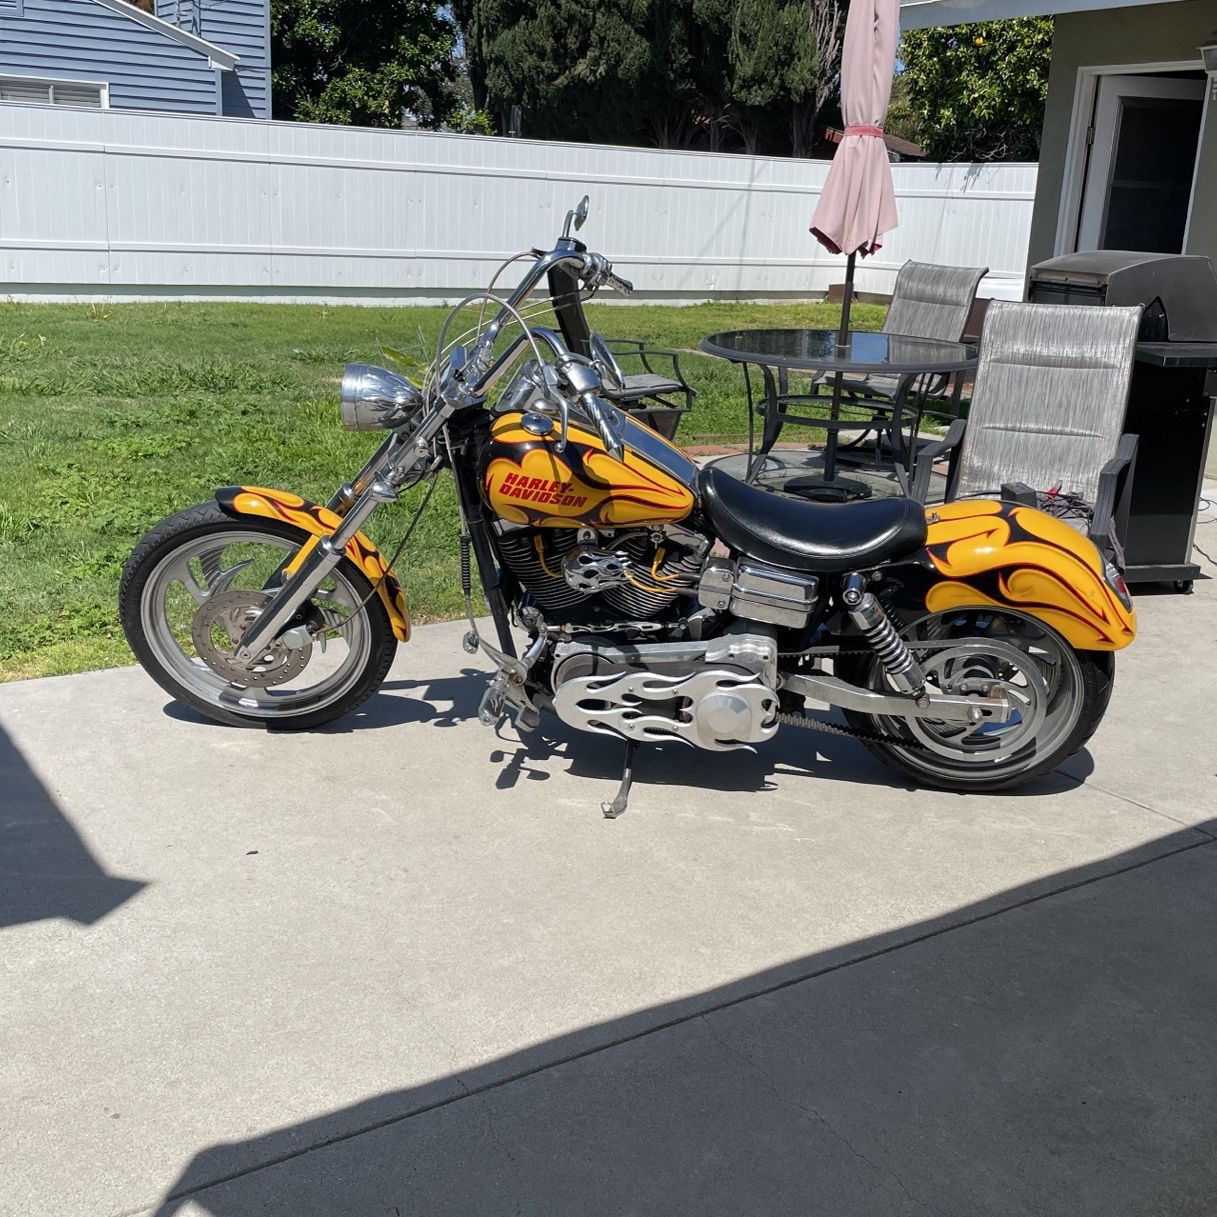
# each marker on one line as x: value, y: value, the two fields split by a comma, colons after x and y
x: 912, y: 365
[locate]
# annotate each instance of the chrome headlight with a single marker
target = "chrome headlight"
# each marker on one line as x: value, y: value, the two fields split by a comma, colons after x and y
x: 376, y: 399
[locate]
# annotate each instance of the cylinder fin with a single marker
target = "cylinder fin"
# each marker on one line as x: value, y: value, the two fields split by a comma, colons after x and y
x: 534, y: 556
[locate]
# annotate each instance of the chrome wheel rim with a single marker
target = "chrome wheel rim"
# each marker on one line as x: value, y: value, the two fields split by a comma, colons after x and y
x: 191, y: 612
x: 1006, y: 653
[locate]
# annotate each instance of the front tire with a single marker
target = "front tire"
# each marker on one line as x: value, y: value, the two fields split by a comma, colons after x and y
x: 196, y: 580
x: 1060, y: 696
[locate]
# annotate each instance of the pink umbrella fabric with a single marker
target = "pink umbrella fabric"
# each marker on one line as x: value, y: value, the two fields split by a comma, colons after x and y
x: 858, y: 205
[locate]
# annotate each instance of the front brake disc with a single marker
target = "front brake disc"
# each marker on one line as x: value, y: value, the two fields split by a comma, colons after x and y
x: 217, y: 627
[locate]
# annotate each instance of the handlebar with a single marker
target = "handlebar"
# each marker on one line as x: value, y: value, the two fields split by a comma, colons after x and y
x: 599, y: 273
x: 617, y: 283
x: 481, y: 369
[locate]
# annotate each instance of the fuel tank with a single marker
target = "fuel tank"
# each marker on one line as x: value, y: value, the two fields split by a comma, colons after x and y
x: 528, y: 481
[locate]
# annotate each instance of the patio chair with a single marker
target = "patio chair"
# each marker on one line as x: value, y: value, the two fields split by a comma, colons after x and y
x: 1047, y: 414
x: 656, y: 398
x: 660, y: 399
x: 928, y: 301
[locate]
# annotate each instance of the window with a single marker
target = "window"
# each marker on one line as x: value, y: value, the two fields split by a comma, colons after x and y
x: 33, y: 90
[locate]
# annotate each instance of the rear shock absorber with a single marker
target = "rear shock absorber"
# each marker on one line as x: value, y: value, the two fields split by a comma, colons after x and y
x: 867, y: 614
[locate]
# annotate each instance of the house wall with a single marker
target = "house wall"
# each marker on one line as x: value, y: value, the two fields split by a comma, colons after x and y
x: 1152, y: 33
x: 80, y: 40
x: 239, y: 26
x: 1158, y: 33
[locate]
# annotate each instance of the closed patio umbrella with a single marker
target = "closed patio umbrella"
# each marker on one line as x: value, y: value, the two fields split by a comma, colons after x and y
x: 858, y: 205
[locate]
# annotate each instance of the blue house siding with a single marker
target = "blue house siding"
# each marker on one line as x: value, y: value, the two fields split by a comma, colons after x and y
x: 239, y: 26
x: 81, y: 40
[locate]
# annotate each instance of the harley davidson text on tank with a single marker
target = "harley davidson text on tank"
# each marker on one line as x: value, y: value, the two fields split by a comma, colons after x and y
x: 632, y: 594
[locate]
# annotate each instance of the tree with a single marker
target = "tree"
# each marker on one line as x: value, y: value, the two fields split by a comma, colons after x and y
x: 778, y: 79
x: 578, y: 71
x: 826, y: 21
x: 976, y: 92
x: 679, y: 73
x: 362, y: 62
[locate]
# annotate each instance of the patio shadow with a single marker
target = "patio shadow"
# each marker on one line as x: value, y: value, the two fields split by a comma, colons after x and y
x: 46, y: 870
x: 1044, y: 1050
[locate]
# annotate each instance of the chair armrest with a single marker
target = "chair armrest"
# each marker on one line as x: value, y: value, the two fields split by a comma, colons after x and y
x: 1114, y: 483
x: 924, y: 465
x: 633, y: 348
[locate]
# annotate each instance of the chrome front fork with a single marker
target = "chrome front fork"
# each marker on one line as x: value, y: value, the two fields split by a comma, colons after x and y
x: 300, y: 585
x: 389, y: 467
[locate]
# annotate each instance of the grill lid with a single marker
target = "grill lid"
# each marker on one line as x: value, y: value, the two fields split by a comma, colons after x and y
x: 1178, y: 291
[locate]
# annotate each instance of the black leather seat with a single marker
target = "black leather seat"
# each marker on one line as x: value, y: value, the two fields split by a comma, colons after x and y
x: 809, y: 536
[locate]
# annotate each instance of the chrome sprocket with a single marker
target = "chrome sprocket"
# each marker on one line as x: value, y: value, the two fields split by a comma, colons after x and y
x: 993, y: 668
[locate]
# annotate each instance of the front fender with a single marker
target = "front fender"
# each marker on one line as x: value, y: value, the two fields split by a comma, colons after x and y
x: 980, y: 551
x: 320, y: 521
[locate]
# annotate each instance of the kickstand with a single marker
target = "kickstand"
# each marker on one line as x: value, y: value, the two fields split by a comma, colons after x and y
x: 618, y: 805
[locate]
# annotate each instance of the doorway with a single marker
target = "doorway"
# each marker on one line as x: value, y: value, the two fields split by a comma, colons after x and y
x: 1144, y: 138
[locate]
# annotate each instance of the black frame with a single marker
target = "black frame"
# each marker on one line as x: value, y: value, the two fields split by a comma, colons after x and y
x: 497, y: 584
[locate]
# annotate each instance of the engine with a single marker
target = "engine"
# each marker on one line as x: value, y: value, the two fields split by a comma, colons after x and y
x: 717, y: 695
x: 635, y: 574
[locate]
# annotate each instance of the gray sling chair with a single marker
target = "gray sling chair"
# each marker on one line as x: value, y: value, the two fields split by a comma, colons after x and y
x: 1047, y: 412
x: 927, y: 302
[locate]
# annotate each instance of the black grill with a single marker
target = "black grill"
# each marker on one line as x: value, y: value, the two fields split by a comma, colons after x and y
x: 1169, y: 407
x: 1177, y: 291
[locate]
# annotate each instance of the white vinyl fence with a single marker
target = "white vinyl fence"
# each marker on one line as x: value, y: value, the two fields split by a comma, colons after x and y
x: 110, y: 203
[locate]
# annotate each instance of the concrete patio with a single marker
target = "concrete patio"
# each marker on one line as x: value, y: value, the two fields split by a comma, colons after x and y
x: 404, y: 967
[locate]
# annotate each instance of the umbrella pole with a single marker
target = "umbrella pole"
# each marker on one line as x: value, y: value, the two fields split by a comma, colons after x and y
x: 830, y: 442
x: 847, y: 301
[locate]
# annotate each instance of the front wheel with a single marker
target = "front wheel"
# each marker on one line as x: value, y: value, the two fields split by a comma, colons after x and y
x: 1059, y: 697
x: 196, y: 581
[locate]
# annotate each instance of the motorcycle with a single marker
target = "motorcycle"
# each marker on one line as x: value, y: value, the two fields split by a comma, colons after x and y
x: 970, y: 646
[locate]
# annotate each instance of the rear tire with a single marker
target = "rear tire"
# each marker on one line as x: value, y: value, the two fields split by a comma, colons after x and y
x: 170, y: 598
x: 1061, y: 694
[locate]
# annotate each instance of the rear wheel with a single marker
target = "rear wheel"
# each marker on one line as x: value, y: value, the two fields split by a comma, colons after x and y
x: 195, y: 583
x: 1059, y: 696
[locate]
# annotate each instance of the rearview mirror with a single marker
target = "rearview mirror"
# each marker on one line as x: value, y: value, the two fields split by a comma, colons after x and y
x: 577, y: 217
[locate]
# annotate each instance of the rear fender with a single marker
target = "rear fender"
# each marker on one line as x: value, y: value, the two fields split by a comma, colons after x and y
x: 319, y: 521
x: 983, y: 552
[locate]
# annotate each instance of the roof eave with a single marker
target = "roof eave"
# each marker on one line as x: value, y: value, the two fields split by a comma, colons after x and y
x: 218, y: 56
x: 930, y: 14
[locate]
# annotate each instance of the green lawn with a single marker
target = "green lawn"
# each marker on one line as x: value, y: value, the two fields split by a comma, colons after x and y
x: 112, y: 417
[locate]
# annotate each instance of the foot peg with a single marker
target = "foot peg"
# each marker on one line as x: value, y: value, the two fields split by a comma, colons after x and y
x: 501, y: 698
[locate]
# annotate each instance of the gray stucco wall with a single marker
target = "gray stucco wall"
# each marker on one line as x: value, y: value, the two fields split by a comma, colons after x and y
x: 1152, y: 33
x: 80, y: 40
